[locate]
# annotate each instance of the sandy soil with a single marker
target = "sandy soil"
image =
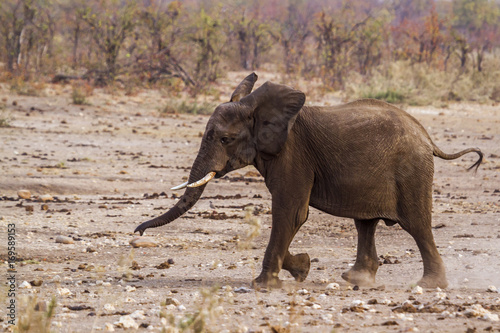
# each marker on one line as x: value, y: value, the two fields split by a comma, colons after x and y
x: 108, y: 167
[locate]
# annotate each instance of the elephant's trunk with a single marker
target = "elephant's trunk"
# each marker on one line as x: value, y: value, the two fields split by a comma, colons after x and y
x: 186, y: 201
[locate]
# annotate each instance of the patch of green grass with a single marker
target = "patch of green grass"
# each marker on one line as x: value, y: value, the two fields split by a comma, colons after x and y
x: 390, y: 96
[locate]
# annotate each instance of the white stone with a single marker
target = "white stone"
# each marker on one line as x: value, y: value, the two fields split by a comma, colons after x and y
x: 492, y: 289
x: 242, y: 290
x: 476, y: 310
x: 129, y: 289
x: 303, y: 292
x: 333, y: 286
x: 64, y: 240
x: 126, y: 322
x: 490, y: 317
x: 138, y: 314
x: 64, y: 292
x: 25, y: 285
x: 417, y: 290
x: 109, y: 327
x: 109, y: 307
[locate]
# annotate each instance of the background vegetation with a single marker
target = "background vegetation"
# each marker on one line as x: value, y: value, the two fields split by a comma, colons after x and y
x: 414, y: 51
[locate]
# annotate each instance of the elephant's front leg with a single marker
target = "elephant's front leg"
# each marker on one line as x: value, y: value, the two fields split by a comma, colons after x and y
x: 287, y: 219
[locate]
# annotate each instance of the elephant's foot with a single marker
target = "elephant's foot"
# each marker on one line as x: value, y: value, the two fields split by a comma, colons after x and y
x: 433, y: 281
x: 360, y: 277
x: 298, y: 265
x: 266, y: 280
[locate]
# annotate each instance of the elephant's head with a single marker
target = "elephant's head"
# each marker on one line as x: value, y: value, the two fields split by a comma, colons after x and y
x: 253, y: 124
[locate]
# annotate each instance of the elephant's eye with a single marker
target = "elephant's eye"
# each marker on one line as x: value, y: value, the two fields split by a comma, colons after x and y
x: 224, y: 140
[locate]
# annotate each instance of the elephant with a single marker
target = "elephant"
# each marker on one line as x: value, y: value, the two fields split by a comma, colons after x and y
x: 367, y: 160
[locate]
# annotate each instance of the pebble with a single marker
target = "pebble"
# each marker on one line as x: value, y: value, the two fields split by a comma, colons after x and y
x: 333, y: 286
x: 109, y: 327
x: 64, y: 240
x: 64, y: 292
x: 129, y: 289
x: 492, y: 289
x: 142, y: 242
x: 24, y: 194
x: 242, y: 290
x: 46, y: 197
x: 417, y: 290
x: 138, y: 314
x: 109, y: 307
x: 440, y: 295
x: 25, y: 285
x: 56, y: 279
x: 90, y: 249
x: 172, y: 301
x: 36, y: 283
x: 303, y: 292
x: 476, y: 310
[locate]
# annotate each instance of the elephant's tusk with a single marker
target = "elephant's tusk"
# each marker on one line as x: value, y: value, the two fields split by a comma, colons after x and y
x: 180, y: 187
x: 203, y: 181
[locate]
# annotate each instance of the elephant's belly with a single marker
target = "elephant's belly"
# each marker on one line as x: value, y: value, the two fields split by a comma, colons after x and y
x: 357, y: 202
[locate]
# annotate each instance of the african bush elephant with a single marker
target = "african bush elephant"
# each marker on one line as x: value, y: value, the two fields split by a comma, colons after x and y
x: 366, y: 160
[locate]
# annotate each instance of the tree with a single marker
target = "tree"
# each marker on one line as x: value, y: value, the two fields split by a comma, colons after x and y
x: 12, y: 24
x: 110, y: 22
x: 477, y: 23
x: 336, y: 36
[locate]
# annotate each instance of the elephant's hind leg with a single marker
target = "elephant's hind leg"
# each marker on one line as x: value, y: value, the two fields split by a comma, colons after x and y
x: 298, y: 265
x: 434, y: 271
x: 366, y: 265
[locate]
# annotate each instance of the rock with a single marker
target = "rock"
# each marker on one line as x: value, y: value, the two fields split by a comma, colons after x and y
x: 46, y: 197
x: 126, y: 322
x: 25, y: 285
x: 109, y: 307
x: 164, y: 265
x: 303, y: 292
x: 417, y: 290
x: 109, y: 327
x: 476, y: 310
x: 64, y: 292
x: 90, y: 249
x: 333, y: 286
x: 64, y: 240
x: 36, y: 283
x: 24, y: 194
x: 172, y: 301
x: 129, y: 289
x: 142, y: 242
x: 440, y: 295
x: 242, y: 290
x: 138, y: 314
x: 492, y: 289
x: 56, y: 279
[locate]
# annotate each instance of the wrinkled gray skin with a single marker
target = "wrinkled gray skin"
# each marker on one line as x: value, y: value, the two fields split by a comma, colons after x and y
x: 366, y: 160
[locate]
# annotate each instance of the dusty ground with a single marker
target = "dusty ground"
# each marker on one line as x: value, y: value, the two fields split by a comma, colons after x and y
x: 109, y: 166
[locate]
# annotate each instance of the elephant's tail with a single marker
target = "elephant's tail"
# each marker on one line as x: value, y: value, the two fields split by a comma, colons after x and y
x: 439, y: 153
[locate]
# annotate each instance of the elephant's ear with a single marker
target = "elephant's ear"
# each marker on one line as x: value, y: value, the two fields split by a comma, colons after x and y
x: 244, y: 88
x: 275, y: 109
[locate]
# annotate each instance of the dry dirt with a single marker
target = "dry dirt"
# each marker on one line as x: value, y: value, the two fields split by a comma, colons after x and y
x: 109, y: 166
